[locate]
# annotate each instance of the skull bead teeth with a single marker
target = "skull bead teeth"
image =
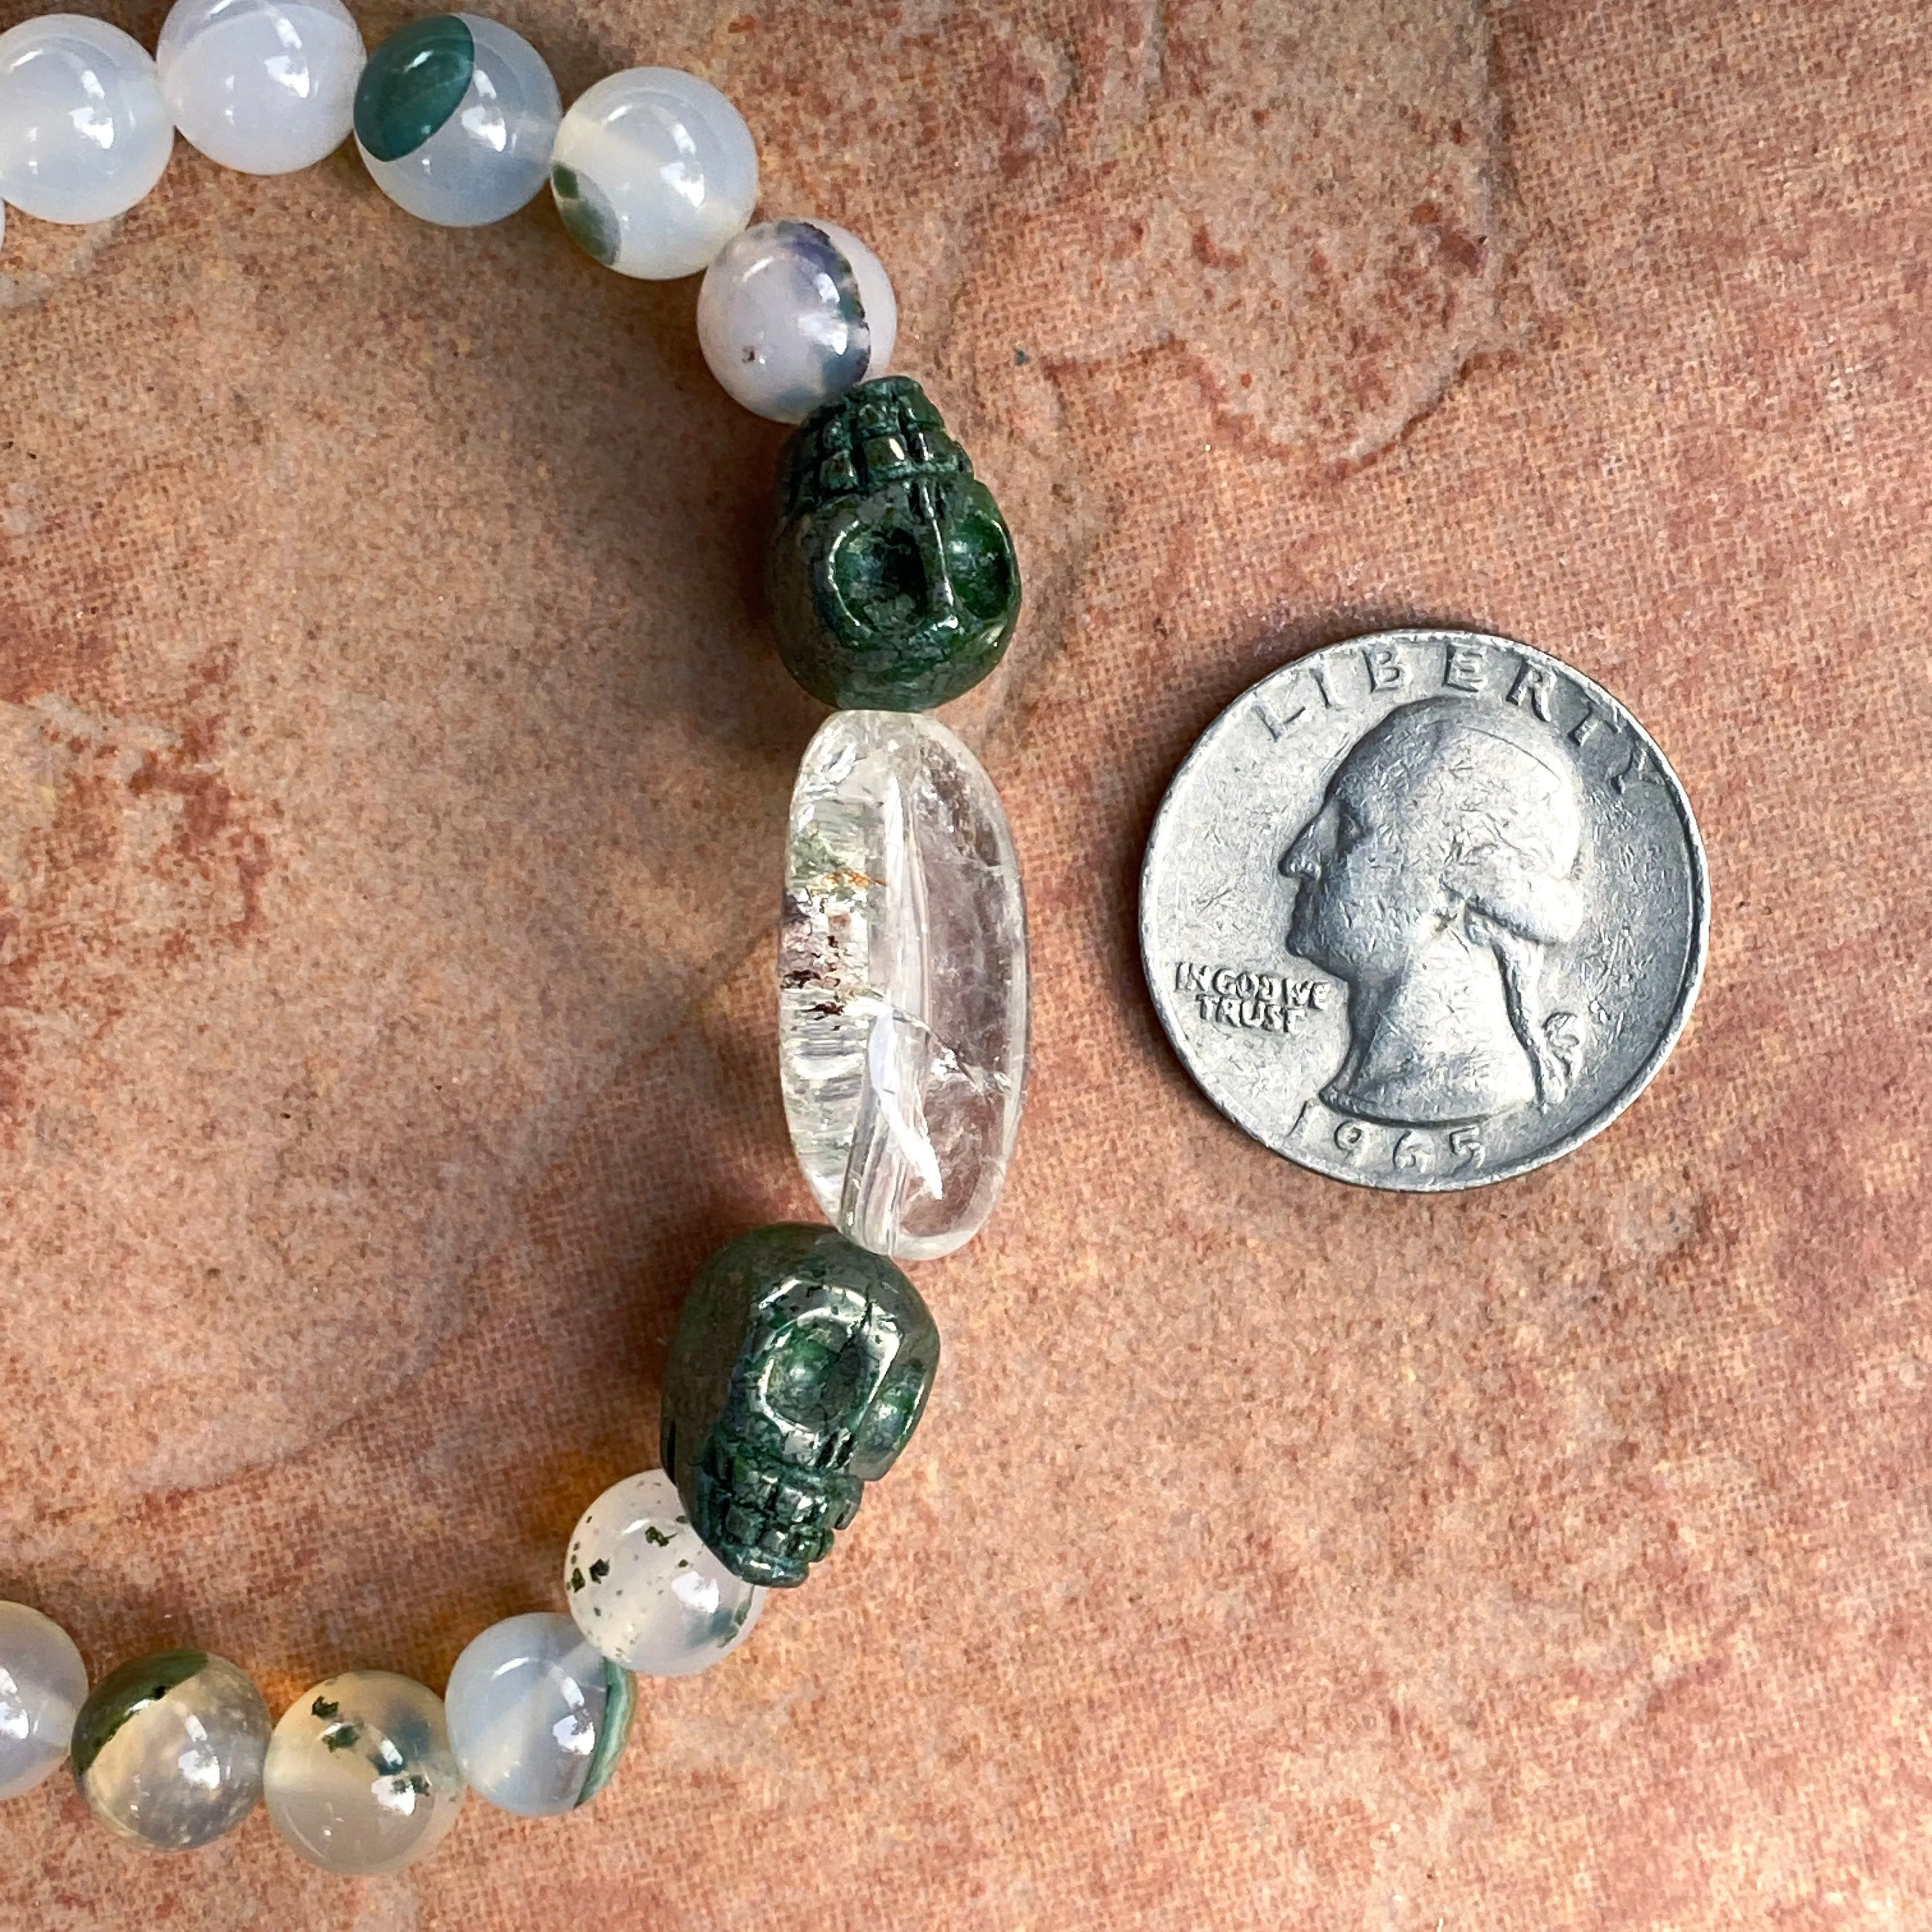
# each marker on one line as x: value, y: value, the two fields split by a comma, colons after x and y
x: 800, y: 1368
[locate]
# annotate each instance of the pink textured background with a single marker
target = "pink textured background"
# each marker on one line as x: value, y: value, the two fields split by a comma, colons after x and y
x: 391, y: 779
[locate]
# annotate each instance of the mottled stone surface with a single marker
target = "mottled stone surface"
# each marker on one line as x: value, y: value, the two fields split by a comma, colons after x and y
x: 394, y: 777
x: 801, y: 1366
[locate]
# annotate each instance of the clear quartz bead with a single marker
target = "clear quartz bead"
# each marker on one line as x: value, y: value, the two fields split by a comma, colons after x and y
x: 265, y: 86
x: 645, y: 1589
x: 43, y: 1684
x: 84, y: 132
x: 902, y: 977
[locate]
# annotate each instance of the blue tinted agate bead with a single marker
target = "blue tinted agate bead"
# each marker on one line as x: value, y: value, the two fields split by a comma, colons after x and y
x: 793, y: 313
x: 455, y: 116
x: 42, y: 1685
x: 84, y: 131
x: 538, y: 1715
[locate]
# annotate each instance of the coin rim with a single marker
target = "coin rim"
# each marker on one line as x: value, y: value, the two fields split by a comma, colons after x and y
x: 1688, y: 988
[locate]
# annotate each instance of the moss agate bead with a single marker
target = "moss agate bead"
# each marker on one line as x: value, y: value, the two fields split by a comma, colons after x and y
x: 893, y: 582
x: 361, y: 1778
x: 537, y: 1715
x: 646, y: 1591
x: 42, y: 1685
x: 455, y: 116
x: 800, y: 1368
x: 654, y: 171
x: 792, y: 314
x: 168, y: 1751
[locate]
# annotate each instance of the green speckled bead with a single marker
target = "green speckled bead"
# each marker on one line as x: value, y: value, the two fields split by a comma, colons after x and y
x: 894, y: 586
x: 414, y: 82
x: 799, y: 1370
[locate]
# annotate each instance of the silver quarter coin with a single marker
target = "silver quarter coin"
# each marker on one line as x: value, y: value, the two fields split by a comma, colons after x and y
x: 1424, y: 910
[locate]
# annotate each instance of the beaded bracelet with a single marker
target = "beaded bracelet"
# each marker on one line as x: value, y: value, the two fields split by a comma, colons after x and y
x: 804, y: 1356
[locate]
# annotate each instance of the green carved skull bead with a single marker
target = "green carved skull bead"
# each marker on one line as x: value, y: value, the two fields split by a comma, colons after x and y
x: 800, y: 1368
x: 894, y: 585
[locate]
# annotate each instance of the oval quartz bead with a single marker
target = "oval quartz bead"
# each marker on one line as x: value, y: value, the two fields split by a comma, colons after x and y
x: 902, y: 977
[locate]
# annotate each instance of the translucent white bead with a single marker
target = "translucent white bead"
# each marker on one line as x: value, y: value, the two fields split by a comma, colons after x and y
x: 84, y: 131
x: 646, y: 1591
x: 361, y: 1778
x: 902, y: 978
x: 43, y: 1683
x: 266, y: 86
x: 654, y: 171
x: 455, y: 116
x: 793, y: 313
x: 168, y: 1749
x: 538, y: 1715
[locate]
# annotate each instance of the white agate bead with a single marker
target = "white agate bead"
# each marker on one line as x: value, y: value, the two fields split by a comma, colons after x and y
x: 43, y: 1684
x: 538, y: 1715
x: 793, y: 313
x: 265, y: 86
x: 360, y: 1776
x: 654, y: 171
x: 455, y: 116
x: 645, y: 1589
x: 84, y: 130
x: 902, y: 980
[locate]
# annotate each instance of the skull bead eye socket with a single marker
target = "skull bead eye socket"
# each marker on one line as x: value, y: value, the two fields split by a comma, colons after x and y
x: 813, y: 1379
x: 888, y: 1423
x: 880, y: 573
x: 979, y: 560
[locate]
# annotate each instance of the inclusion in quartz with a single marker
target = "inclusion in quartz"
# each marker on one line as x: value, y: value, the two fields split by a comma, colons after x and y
x: 902, y: 978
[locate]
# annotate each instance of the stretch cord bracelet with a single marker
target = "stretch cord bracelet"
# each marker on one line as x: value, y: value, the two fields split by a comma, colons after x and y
x: 804, y: 1356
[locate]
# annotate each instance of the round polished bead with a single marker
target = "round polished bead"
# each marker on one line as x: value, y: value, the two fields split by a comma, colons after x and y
x: 168, y: 1749
x: 793, y: 313
x: 361, y: 1778
x: 84, y: 131
x: 654, y: 171
x: 455, y: 116
x: 538, y: 1715
x: 265, y: 86
x: 646, y: 1591
x: 43, y: 1684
